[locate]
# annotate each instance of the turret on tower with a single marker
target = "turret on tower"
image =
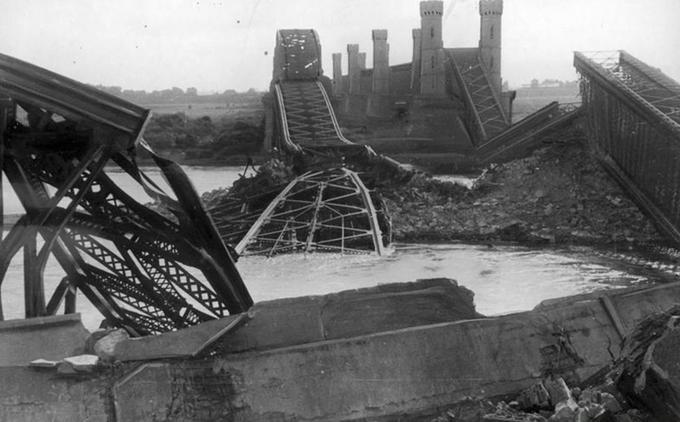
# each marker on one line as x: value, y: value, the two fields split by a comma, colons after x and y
x: 490, y: 12
x: 381, y: 62
x: 431, y: 67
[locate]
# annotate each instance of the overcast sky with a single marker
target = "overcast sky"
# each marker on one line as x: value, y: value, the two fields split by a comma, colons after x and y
x: 223, y: 44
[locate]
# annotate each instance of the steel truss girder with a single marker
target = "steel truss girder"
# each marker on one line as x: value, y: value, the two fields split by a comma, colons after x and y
x: 481, y: 101
x: 140, y: 282
x: 300, y: 217
x: 635, y: 140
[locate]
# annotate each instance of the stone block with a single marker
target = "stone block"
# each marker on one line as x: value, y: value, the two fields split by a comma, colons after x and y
x: 188, y: 342
x: 534, y: 397
x: 105, y: 347
x: 82, y: 363
x: 44, y: 363
x: 557, y: 390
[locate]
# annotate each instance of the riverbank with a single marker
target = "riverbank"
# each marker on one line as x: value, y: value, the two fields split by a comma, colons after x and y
x: 558, y: 195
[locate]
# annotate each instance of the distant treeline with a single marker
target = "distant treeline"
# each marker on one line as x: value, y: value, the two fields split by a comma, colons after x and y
x: 549, y: 88
x: 178, y: 95
x: 202, y: 140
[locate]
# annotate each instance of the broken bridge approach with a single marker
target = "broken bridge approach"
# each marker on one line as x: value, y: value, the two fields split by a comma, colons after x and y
x: 632, y: 114
x: 327, y: 207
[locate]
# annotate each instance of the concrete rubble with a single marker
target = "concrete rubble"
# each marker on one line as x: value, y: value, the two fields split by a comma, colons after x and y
x: 558, y: 195
x: 409, y: 351
x: 641, y: 385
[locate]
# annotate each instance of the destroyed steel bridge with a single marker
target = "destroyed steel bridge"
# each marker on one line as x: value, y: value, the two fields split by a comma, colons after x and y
x: 151, y: 272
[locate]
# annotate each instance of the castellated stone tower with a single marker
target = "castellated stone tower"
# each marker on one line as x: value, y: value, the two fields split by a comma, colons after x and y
x: 490, y: 12
x: 432, y: 81
x: 381, y: 62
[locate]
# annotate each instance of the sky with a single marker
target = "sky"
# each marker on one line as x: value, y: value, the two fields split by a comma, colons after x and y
x: 214, y: 45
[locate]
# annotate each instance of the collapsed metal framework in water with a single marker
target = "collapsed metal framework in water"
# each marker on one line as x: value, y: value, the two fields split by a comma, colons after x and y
x: 319, y: 211
x: 327, y: 210
x: 145, y: 272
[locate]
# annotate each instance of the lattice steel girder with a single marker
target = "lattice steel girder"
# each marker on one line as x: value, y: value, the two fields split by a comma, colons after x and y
x: 610, y: 82
x: 297, y: 219
x: 635, y: 140
x: 130, y: 261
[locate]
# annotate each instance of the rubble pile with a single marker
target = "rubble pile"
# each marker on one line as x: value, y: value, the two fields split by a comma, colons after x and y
x: 641, y: 385
x: 272, y: 175
x: 560, y: 194
x: 551, y: 400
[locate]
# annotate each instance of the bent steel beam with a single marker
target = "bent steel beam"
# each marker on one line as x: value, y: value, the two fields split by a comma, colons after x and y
x: 144, y: 271
x: 318, y: 211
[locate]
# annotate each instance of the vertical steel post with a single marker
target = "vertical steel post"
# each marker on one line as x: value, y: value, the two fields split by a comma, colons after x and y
x: 5, y: 112
x: 34, y: 290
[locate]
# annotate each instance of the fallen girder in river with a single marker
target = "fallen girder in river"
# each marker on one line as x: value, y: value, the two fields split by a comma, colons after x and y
x: 318, y: 211
x: 325, y: 210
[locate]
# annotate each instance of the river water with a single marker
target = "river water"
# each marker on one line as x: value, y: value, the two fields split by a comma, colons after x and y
x: 503, y: 278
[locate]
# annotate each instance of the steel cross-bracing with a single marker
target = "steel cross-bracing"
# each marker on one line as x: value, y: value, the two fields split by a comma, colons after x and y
x: 322, y: 210
x: 631, y: 111
x: 144, y: 271
x: 485, y: 112
x: 305, y: 120
x: 319, y: 211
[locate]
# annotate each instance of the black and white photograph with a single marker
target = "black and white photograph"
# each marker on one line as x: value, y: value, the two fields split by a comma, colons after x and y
x: 340, y: 210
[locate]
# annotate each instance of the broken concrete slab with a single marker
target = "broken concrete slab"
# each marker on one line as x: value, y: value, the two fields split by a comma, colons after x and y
x: 396, y: 305
x: 407, y: 370
x: 648, y: 372
x: 188, y: 342
x: 30, y: 395
x: 82, y: 363
x: 50, y: 338
x: 350, y: 313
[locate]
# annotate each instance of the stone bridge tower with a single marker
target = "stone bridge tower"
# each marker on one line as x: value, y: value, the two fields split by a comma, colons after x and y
x: 490, y: 12
x: 432, y: 80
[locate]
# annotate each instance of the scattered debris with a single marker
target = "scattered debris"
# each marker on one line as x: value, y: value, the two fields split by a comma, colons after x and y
x: 641, y: 385
x: 82, y: 363
x: 560, y: 194
x: 106, y: 345
x: 43, y: 363
x: 648, y: 374
x: 68, y: 366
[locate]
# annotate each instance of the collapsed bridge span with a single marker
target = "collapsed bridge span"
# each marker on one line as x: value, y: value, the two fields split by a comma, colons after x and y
x: 143, y: 271
x: 632, y: 116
